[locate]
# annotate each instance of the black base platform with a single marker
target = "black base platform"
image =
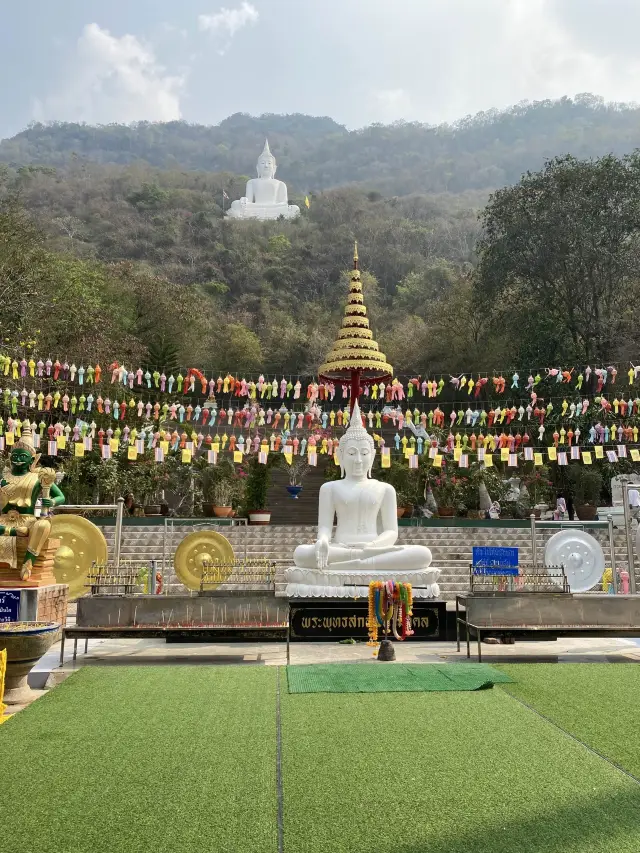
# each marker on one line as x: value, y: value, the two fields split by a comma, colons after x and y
x: 326, y: 619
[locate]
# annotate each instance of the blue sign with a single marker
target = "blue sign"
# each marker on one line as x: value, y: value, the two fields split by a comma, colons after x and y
x: 9, y: 605
x: 495, y: 561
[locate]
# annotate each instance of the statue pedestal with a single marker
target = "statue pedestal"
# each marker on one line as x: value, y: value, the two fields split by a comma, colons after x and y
x: 34, y: 604
x: 41, y: 572
x: 330, y: 620
x: 317, y: 583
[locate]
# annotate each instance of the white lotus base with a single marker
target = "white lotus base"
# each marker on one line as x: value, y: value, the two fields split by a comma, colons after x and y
x: 314, y: 583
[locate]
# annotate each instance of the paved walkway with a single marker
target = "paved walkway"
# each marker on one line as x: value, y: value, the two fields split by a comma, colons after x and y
x: 132, y: 652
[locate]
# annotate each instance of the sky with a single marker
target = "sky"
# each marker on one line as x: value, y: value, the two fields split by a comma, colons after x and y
x: 358, y: 61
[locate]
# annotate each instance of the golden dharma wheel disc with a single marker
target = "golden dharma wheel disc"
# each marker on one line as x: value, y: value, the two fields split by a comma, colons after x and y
x: 198, y: 548
x: 81, y: 544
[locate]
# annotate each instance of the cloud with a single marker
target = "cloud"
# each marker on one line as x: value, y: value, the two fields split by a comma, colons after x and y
x: 226, y: 23
x: 113, y: 79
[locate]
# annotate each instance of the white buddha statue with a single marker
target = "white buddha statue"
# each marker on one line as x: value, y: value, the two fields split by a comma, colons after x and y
x: 364, y: 547
x: 265, y: 197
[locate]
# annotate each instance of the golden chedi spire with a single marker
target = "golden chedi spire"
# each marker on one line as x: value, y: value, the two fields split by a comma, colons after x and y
x: 355, y: 347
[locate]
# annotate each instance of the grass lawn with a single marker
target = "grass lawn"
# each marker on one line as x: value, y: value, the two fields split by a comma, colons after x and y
x: 597, y: 702
x: 458, y: 772
x: 180, y: 759
x: 147, y: 759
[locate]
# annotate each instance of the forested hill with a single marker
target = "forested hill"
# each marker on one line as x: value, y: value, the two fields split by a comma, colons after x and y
x: 481, y: 152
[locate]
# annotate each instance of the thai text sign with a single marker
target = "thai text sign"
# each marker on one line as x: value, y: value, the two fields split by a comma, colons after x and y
x: 495, y: 561
x: 9, y: 605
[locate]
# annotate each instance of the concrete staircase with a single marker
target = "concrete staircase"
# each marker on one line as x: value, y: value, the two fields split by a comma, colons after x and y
x: 450, y: 546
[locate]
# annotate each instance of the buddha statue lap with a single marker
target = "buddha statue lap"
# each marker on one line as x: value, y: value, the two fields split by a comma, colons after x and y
x: 20, y: 489
x: 364, y: 547
x: 266, y: 198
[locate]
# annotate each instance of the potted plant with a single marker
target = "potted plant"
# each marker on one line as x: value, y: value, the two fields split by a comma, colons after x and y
x: 298, y: 469
x: 585, y: 486
x: 257, y: 488
x: 222, y: 486
x: 401, y: 502
x: 539, y: 487
x: 448, y: 493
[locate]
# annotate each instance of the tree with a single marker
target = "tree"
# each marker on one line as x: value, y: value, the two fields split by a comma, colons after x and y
x: 567, y: 239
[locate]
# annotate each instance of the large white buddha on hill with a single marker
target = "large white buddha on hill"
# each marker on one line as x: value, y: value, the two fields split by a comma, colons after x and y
x: 364, y: 547
x: 265, y: 197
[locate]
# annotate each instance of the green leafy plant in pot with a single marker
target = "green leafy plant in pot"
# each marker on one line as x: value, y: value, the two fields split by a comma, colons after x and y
x: 222, y: 489
x: 585, y: 485
x: 257, y: 487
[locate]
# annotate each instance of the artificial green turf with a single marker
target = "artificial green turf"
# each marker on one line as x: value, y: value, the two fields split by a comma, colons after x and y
x: 445, y: 773
x: 599, y: 703
x: 148, y: 759
x: 376, y: 678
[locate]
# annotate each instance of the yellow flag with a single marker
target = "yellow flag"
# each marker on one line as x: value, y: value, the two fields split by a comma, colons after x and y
x: 437, y: 461
x: 114, y: 444
x: 335, y: 459
x: 408, y: 452
x: 488, y: 460
x: 385, y: 461
x: 237, y: 456
x: 537, y: 459
x: 307, y: 203
x: 289, y: 458
x: 599, y: 451
x: 586, y: 457
x: 79, y: 448
x: 132, y: 452
x: 457, y: 453
x: 553, y: 454
x: 61, y: 441
x: 635, y: 455
x: 9, y: 438
x: 164, y: 446
x: 186, y: 455
x: 504, y: 454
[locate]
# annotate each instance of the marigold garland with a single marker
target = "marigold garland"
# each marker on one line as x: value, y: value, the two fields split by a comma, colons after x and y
x: 390, y: 606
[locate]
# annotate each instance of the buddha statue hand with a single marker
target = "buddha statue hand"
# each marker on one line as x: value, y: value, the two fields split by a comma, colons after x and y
x: 322, y: 552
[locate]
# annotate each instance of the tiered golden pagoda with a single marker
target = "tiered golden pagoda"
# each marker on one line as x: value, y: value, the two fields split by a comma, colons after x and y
x: 355, y: 356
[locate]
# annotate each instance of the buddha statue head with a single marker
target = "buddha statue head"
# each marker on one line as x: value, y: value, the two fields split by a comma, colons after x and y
x: 23, y: 455
x: 266, y: 167
x: 356, y: 449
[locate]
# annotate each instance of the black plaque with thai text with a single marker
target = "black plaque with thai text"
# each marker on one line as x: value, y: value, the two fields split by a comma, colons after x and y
x: 342, y: 619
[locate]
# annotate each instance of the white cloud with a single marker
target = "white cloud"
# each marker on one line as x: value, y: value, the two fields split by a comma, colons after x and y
x: 226, y: 23
x: 114, y: 79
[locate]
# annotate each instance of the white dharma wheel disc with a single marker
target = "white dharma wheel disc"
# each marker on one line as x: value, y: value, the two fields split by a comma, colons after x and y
x: 580, y: 554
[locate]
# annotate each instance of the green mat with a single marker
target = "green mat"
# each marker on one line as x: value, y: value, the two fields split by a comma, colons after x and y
x: 396, y: 678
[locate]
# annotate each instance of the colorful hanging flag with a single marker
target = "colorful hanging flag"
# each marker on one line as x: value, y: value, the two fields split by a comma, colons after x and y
x: 159, y: 454
x: 622, y: 451
x: 612, y: 456
x: 307, y: 203
x: 575, y: 453
x: 528, y: 454
x: 562, y: 458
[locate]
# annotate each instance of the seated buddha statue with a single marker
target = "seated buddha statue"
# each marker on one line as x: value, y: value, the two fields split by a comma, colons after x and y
x: 364, y: 547
x: 266, y: 198
x: 20, y: 489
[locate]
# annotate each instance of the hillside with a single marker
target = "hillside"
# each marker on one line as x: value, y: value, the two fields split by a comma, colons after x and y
x: 480, y: 152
